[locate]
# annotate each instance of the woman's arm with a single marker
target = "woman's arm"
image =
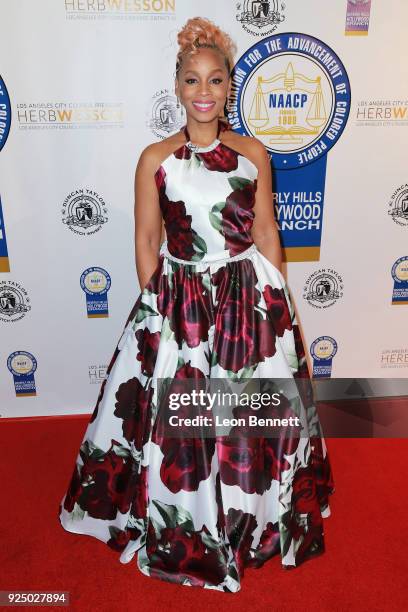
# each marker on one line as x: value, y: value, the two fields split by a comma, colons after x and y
x: 265, y: 229
x: 148, y: 218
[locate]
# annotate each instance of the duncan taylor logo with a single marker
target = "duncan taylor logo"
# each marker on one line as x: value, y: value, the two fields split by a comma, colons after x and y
x: 84, y: 212
x: 166, y: 115
x: 398, y: 205
x: 256, y: 16
x: 14, y: 301
x: 323, y: 288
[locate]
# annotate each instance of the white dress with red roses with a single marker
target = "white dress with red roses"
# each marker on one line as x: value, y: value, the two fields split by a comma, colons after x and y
x: 199, y: 510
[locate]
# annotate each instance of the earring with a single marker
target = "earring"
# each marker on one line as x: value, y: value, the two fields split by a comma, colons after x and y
x: 178, y: 102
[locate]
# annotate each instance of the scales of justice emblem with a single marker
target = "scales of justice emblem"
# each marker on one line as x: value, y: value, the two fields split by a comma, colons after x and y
x: 259, y: 13
x: 298, y: 112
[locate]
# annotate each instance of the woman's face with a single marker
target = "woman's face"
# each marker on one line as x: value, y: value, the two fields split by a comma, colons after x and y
x: 202, y: 84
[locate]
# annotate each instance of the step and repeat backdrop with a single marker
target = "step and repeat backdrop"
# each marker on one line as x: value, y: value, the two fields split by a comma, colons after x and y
x: 85, y: 85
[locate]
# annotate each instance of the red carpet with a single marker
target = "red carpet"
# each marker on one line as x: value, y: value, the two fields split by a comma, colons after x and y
x: 364, y: 567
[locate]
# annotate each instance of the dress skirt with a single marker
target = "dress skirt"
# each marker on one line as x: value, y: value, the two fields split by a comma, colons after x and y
x: 198, y: 511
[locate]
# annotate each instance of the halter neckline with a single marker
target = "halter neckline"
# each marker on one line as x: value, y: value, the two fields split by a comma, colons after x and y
x: 200, y: 149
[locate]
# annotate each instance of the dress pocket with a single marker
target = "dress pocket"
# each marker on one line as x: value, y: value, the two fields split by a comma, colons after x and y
x: 269, y: 264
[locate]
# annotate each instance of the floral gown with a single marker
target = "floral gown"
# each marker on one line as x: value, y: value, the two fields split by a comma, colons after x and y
x: 200, y: 511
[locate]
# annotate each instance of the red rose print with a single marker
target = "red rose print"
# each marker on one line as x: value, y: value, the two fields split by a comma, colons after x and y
x: 103, y: 484
x: 148, y: 345
x: 183, y: 554
x: 277, y: 309
x: 238, y: 216
x: 133, y: 405
x: 240, y: 526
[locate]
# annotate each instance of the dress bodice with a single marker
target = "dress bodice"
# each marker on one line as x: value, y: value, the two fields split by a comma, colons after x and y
x: 207, y: 195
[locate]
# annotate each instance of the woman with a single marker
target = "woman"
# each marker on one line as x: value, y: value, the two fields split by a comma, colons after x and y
x: 214, y: 305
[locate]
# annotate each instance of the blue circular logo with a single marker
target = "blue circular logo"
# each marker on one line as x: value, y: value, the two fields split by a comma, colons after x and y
x: 292, y: 92
x: 5, y: 114
x: 21, y: 363
x: 323, y: 348
x: 95, y: 281
x: 399, y: 270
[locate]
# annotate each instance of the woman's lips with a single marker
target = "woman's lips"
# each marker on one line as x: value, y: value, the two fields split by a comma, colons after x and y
x: 203, y: 106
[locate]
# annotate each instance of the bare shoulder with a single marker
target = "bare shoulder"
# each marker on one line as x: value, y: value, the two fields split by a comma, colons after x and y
x: 249, y: 146
x: 155, y: 153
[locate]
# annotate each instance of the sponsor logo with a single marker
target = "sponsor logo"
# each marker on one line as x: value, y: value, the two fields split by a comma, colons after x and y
x: 5, y: 113
x: 165, y: 115
x: 357, y: 17
x: 84, y: 212
x: 322, y: 350
x: 96, y: 283
x: 96, y: 374
x: 260, y: 18
x: 381, y: 113
x: 323, y: 288
x: 14, y: 301
x: 22, y: 365
x: 69, y: 115
x: 394, y: 358
x: 398, y: 205
x: 121, y: 10
x: 399, y: 273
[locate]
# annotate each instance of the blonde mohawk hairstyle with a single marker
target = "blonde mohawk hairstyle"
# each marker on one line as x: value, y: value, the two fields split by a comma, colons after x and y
x: 201, y: 32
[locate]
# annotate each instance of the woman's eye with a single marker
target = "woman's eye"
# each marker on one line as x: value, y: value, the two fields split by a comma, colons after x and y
x: 212, y: 80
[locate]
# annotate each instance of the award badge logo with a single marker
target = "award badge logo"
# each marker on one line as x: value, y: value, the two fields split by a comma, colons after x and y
x: 323, y: 288
x: 399, y: 273
x: 84, y: 212
x: 292, y: 92
x: 96, y: 283
x: 166, y: 114
x: 323, y: 349
x: 255, y: 16
x: 14, y: 301
x: 4, y: 258
x: 357, y: 17
x: 22, y: 365
x: 398, y: 205
x: 5, y: 113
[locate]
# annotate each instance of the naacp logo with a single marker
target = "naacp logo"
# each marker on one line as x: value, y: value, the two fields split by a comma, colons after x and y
x: 84, y: 212
x: 167, y: 115
x: 398, y: 205
x: 14, y: 301
x: 292, y: 92
x: 5, y: 113
x: 256, y: 15
x: 323, y: 288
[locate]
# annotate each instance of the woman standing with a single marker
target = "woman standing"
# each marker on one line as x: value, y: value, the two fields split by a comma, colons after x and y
x: 214, y: 305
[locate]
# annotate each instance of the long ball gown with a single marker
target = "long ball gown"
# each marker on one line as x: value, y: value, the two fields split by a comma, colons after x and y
x: 199, y: 511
